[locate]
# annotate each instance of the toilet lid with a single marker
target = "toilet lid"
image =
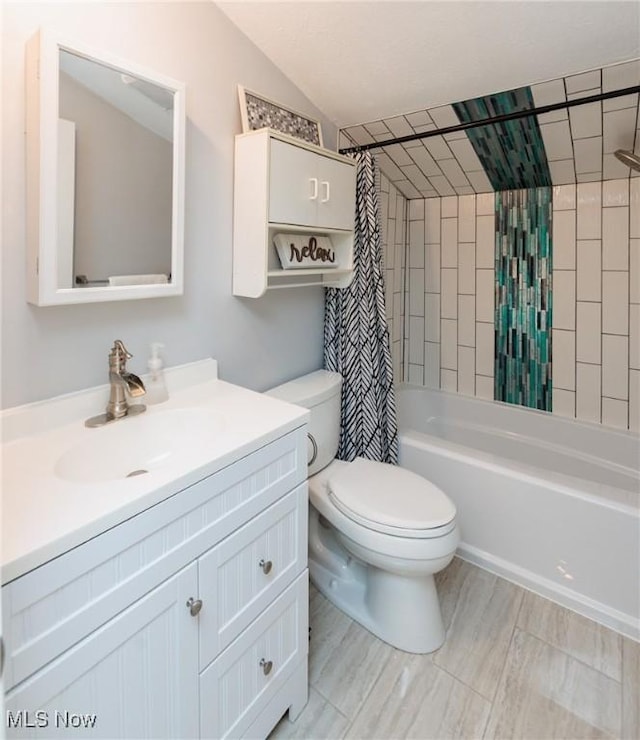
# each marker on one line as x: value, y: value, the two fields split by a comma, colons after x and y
x: 383, y: 497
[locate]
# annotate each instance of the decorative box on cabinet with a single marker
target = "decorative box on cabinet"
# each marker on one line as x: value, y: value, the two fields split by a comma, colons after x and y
x: 284, y: 185
x: 147, y: 624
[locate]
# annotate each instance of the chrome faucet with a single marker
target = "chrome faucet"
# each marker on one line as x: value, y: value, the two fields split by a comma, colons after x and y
x: 123, y: 384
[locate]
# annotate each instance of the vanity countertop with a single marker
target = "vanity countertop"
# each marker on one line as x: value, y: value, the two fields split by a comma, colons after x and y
x: 46, y: 512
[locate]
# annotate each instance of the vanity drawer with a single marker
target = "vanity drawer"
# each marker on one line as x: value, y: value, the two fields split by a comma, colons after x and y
x: 56, y: 605
x: 237, y: 686
x: 242, y: 575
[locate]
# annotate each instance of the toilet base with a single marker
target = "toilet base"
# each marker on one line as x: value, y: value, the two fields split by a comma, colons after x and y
x: 402, y: 611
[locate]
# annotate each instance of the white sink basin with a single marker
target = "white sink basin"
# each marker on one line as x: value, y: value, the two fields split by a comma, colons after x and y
x: 139, y: 445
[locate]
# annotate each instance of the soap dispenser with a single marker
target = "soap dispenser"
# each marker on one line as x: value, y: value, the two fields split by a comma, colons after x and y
x: 156, y: 387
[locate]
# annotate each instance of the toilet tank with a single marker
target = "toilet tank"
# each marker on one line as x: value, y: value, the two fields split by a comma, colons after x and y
x: 320, y: 393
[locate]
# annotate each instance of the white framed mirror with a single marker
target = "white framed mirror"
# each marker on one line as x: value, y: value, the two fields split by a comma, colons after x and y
x: 105, y: 176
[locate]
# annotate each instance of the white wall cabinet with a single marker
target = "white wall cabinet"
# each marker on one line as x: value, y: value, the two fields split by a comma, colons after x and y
x: 188, y: 620
x: 284, y: 185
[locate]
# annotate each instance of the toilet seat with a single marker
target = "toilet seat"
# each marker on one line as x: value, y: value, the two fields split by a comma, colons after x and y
x: 390, y: 500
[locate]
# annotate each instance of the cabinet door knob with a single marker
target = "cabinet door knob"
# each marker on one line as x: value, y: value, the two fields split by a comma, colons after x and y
x: 267, y: 665
x: 327, y: 191
x: 266, y: 566
x: 194, y: 606
x: 314, y: 188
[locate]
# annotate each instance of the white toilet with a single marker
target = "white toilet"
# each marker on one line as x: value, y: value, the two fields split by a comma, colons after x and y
x: 377, y: 533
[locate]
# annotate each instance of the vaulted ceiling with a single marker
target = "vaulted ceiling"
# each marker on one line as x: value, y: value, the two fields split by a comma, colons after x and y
x: 384, y: 69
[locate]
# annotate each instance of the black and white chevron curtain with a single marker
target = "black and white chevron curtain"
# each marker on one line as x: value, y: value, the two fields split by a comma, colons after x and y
x: 356, y: 337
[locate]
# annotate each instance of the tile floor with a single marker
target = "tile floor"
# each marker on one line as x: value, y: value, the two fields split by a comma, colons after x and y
x: 514, y: 665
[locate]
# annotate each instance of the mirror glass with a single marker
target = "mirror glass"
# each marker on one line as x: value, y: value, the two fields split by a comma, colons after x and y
x: 115, y: 176
x: 105, y: 162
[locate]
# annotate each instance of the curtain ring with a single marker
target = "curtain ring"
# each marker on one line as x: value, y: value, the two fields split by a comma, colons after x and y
x: 315, y: 449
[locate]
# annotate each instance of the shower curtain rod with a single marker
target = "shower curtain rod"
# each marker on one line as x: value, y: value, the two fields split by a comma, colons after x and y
x: 495, y: 119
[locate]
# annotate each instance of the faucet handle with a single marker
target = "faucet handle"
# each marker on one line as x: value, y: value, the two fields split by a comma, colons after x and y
x: 119, y: 348
x: 118, y: 356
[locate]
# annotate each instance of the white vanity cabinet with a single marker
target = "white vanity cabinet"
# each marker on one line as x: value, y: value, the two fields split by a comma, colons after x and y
x: 189, y: 619
x: 286, y: 186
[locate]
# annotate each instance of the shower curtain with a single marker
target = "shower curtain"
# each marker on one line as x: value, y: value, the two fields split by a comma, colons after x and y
x: 356, y: 337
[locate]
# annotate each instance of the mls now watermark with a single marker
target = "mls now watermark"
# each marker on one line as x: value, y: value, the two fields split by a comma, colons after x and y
x: 23, y: 718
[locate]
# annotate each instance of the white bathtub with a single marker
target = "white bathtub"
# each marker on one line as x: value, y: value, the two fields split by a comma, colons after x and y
x: 549, y: 503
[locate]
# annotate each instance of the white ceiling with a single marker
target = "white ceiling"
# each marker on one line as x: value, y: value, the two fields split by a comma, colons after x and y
x: 360, y: 61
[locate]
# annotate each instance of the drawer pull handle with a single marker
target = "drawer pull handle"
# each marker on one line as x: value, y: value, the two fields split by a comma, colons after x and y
x: 194, y: 606
x: 266, y: 566
x: 267, y: 665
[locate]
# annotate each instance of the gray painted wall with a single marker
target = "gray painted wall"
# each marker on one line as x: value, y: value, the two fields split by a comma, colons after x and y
x: 258, y: 343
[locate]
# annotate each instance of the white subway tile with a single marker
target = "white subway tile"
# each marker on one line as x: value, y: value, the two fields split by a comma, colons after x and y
x: 564, y: 240
x: 564, y: 197
x: 449, y: 380
x: 485, y: 241
x: 615, y: 366
x: 432, y: 364
x: 416, y: 243
x: 467, y: 218
x: 416, y: 210
x: 466, y: 370
x: 563, y: 172
x: 485, y: 343
x: 564, y: 403
x: 416, y: 374
x: 485, y: 295
x: 589, y: 255
x: 396, y: 360
x: 634, y: 270
x: 615, y: 302
x: 615, y: 193
x: 449, y: 257
x: 588, y: 332
x: 588, y: 154
x: 449, y: 293
x: 416, y: 292
x: 618, y: 129
x: 432, y: 317
x: 432, y: 268
x: 615, y: 413
x: 432, y: 220
x: 467, y: 267
x: 481, y: 183
x: 564, y: 299
x: 564, y: 359
x: 634, y: 400
x: 557, y: 140
x: 615, y: 238
x: 634, y: 335
x: 416, y: 340
x: 450, y: 207
x: 485, y: 204
x: 484, y: 387
x: 583, y: 81
x: 589, y: 207
x: 619, y: 76
x: 547, y: 93
x: 634, y: 204
x: 586, y: 120
x: 588, y: 400
x: 449, y: 344
x: 466, y: 320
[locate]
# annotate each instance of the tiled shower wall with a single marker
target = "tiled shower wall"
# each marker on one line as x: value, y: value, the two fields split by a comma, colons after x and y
x: 393, y: 227
x: 449, y: 322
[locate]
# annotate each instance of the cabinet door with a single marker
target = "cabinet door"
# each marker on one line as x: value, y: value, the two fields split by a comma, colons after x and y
x: 294, y: 188
x: 337, y: 196
x: 134, y: 677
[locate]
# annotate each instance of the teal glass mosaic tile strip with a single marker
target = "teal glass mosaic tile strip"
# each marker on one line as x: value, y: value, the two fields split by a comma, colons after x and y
x: 523, y: 297
x: 512, y: 153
